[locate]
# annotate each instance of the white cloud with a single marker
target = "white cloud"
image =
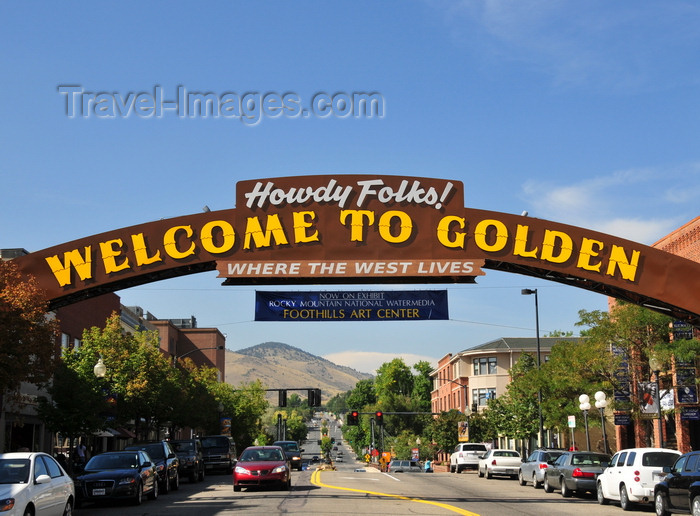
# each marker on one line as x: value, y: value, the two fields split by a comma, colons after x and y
x: 370, y: 361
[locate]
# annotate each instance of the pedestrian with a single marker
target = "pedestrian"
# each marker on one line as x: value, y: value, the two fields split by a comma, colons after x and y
x: 81, y: 451
x: 428, y: 466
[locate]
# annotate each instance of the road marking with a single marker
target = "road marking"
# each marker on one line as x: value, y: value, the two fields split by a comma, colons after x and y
x: 316, y: 480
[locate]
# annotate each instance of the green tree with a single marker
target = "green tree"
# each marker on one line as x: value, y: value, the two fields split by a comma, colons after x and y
x: 362, y: 395
x: 392, y: 378
x: 444, y: 430
x: 422, y: 386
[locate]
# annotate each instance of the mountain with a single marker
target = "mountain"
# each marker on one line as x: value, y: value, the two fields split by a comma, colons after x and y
x: 281, y: 366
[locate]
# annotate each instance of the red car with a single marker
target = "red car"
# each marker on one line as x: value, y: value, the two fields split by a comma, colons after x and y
x: 262, y: 466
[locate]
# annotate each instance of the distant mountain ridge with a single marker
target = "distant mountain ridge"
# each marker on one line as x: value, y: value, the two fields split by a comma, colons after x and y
x: 281, y: 366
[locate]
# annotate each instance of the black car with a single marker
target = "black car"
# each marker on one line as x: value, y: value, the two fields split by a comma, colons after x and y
x: 292, y: 451
x: 125, y: 475
x: 575, y: 472
x: 679, y: 491
x: 166, y: 461
x: 189, y: 451
x: 219, y: 452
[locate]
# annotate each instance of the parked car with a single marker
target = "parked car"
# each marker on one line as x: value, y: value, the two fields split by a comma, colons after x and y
x: 633, y: 474
x: 679, y: 491
x: 117, y: 475
x: 532, y: 468
x: 166, y: 461
x: 499, y: 462
x: 189, y: 451
x: 575, y: 472
x: 404, y: 466
x: 260, y: 466
x: 293, y: 452
x: 219, y: 452
x: 466, y: 455
x: 35, y: 483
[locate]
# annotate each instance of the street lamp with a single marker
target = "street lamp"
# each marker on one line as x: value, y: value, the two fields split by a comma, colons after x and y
x: 466, y: 401
x: 195, y: 351
x: 527, y: 292
x: 585, y: 406
x: 601, y: 403
x: 100, y: 369
x: 655, y: 365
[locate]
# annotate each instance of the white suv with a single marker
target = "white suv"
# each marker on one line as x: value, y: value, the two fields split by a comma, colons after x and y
x: 466, y: 455
x: 632, y: 475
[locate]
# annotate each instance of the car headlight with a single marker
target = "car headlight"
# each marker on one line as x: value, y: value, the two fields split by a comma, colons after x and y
x: 126, y: 480
x: 7, y: 504
x: 296, y: 458
x: 242, y: 471
x: 280, y: 469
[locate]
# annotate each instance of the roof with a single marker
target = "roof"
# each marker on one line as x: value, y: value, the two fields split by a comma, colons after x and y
x: 520, y: 344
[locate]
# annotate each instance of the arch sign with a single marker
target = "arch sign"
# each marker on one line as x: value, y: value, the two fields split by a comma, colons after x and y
x: 380, y: 229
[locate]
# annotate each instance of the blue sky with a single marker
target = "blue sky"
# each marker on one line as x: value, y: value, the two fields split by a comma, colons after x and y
x: 585, y: 113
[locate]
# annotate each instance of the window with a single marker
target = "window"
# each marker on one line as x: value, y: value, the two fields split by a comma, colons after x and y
x: 481, y: 396
x: 485, y: 365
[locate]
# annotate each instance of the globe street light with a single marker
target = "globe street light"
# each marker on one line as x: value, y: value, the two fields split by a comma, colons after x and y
x: 100, y: 369
x: 527, y: 292
x: 585, y: 406
x: 601, y: 403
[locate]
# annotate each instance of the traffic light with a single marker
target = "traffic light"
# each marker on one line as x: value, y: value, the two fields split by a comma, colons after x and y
x: 379, y: 417
x: 353, y: 418
x: 282, y: 398
x: 314, y: 397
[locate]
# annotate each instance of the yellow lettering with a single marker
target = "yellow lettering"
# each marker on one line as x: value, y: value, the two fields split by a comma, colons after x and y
x: 141, y: 251
x: 520, y: 247
x: 589, y: 249
x: 554, y: 240
x: 619, y: 260
x: 170, y: 242
x: 109, y: 255
x: 481, y: 234
x: 406, y: 226
x: 357, y: 222
x: 228, y: 236
x: 302, y: 221
x: 444, y: 234
x: 82, y: 265
x: 262, y: 238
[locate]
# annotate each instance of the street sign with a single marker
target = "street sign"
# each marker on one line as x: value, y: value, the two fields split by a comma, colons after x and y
x: 572, y: 421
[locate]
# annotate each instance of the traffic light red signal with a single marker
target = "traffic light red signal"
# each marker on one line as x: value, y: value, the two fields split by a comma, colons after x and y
x: 379, y: 417
x: 353, y: 418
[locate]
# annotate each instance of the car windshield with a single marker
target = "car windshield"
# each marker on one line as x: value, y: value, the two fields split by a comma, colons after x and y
x: 288, y: 446
x: 113, y: 461
x: 154, y: 450
x: 261, y: 455
x: 183, y: 447
x: 215, y: 442
x: 659, y: 459
x: 584, y: 459
x: 14, y: 471
x: 506, y: 454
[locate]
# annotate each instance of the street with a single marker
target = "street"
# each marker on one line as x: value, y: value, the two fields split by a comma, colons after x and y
x: 355, y: 489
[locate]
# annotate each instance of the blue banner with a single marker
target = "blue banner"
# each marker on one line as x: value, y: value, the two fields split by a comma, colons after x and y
x: 386, y: 305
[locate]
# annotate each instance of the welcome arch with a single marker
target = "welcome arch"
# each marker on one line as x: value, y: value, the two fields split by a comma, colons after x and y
x: 343, y: 229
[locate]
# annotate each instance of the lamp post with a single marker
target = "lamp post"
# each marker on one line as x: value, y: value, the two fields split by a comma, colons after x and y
x: 601, y: 403
x: 527, y: 292
x: 655, y: 365
x: 585, y: 406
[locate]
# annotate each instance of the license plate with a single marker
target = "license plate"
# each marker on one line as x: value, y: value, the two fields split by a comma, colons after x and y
x: 98, y: 492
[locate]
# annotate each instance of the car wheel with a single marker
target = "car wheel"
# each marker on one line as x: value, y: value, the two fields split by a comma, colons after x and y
x: 536, y: 483
x: 138, y: 497
x: 599, y: 494
x: 695, y: 506
x: 480, y: 473
x: 194, y: 476
x: 521, y: 480
x: 166, y: 486
x: 625, y: 499
x: 176, y: 482
x: 153, y: 495
x: 68, y: 509
x: 488, y: 473
x: 236, y: 488
x: 202, y: 474
x: 459, y: 469
x: 28, y: 512
x: 565, y: 491
x: 547, y: 487
x: 661, y: 504
x: 452, y: 468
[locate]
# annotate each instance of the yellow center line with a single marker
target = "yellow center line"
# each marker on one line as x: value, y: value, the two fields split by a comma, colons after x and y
x: 316, y: 480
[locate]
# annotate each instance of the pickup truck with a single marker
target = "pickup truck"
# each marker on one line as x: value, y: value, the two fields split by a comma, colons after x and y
x: 500, y: 462
x: 466, y: 455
